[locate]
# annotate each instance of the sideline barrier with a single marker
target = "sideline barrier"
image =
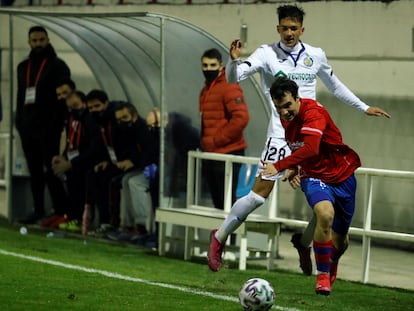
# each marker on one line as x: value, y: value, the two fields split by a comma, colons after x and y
x: 197, y: 216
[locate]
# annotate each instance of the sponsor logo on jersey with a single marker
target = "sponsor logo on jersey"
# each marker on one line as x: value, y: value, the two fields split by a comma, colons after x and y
x: 296, y: 76
x: 301, y: 76
x: 280, y: 73
x: 295, y: 145
x: 308, y: 61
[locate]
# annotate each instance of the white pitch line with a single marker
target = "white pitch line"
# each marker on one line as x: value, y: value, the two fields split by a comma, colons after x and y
x: 132, y: 279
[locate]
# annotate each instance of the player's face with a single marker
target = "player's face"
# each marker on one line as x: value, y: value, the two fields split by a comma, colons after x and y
x: 208, y: 64
x: 38, y: 40
x: 95, y: 105
x: 123, y: 115
x: 74, y: 102
x: 290, y: 31
x: 287, y: 107
x: 63, y: 91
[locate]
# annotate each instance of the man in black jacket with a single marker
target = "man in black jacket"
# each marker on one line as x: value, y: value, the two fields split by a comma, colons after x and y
x: 84, y: 149
x: 39, y: 119
x: 124, y: 140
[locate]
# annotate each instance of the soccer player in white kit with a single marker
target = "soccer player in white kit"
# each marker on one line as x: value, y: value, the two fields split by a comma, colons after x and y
x: 301, y: 63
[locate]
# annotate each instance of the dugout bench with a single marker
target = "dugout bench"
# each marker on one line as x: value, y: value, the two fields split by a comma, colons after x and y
x: 208, y: 218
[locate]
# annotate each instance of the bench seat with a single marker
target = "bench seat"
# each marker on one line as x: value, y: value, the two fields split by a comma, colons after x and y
x: 198, y: 217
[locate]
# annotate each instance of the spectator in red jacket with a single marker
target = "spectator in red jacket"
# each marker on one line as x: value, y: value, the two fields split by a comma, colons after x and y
x: 224, y: 116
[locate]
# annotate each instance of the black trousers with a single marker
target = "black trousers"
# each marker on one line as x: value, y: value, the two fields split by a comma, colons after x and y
x: 38, y: 151
x: 76, y: 187
x: 213, y: 171
x: 103, y: 191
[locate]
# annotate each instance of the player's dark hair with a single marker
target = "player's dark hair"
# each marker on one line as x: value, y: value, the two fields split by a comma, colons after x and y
x: 66, y: 81
x: 98, y: 95
x: 81, y: 95
x: 281, y: 86
x: 119, y: 105
x: 212, y: 54
x: 290, y: 11
x: 37, y: 29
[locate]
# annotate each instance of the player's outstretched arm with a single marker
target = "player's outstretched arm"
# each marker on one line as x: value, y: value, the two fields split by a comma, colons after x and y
x: 377, y: 112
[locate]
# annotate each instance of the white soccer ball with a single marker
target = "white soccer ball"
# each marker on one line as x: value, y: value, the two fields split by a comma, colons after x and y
x: 256, y: 295
x: 23, y: 230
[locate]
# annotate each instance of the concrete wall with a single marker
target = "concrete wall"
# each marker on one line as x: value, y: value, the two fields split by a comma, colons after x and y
x: 376, y: 38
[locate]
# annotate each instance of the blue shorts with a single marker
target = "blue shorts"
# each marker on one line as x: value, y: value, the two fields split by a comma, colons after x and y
x: 342, y: 197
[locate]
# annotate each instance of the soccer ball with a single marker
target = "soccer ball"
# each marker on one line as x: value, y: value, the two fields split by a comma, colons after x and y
x: 256, y: 295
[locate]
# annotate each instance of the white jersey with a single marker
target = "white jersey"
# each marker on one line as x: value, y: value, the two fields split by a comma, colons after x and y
x: 302, y: 64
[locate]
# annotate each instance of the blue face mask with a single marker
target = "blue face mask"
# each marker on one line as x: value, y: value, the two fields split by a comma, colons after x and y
x: 210, y: 75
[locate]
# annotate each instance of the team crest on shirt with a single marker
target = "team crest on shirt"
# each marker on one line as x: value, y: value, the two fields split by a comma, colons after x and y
x: 308, y: 61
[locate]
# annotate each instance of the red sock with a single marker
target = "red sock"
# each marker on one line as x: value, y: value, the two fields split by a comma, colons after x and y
x: 323, y: 251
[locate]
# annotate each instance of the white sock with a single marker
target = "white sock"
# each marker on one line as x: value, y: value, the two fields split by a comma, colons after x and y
x: 238, y: 213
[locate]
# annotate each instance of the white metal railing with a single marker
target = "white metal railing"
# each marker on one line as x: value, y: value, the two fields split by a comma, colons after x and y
x: 194, y: 186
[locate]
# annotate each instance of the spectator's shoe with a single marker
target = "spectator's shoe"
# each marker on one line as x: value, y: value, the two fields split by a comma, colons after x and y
x: 113, y: 235
x: 71, y: 225
x: 214, y: 253
x: 122, y: 235
x: 151, y: 241
x: 74, y: 225
x: 58, y: 221
x: 305, y: 261
x: 139, y: 235
x: 102, y: 230
x: 332, y: 271
x: 50, y: 220
x: 323, y: 284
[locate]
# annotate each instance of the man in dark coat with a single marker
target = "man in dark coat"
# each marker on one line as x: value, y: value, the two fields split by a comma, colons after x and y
x: 40, y: 117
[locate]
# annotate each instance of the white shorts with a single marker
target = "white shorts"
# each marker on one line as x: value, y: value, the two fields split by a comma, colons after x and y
x: 275, y: 149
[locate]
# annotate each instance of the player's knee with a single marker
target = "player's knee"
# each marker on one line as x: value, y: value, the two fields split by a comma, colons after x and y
x: 324, y: 214
x: 263, y: 187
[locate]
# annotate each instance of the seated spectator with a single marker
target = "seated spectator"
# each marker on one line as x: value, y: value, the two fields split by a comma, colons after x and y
x: 134, y: 200
x: 119, y: 134
x: 64, y: 87
x: 84, y: 149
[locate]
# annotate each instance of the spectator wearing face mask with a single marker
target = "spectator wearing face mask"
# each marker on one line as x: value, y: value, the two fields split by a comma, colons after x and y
x: 124, y: 135
x: 139, y: 184
x: 224, y: 116
x: 84, y: 149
